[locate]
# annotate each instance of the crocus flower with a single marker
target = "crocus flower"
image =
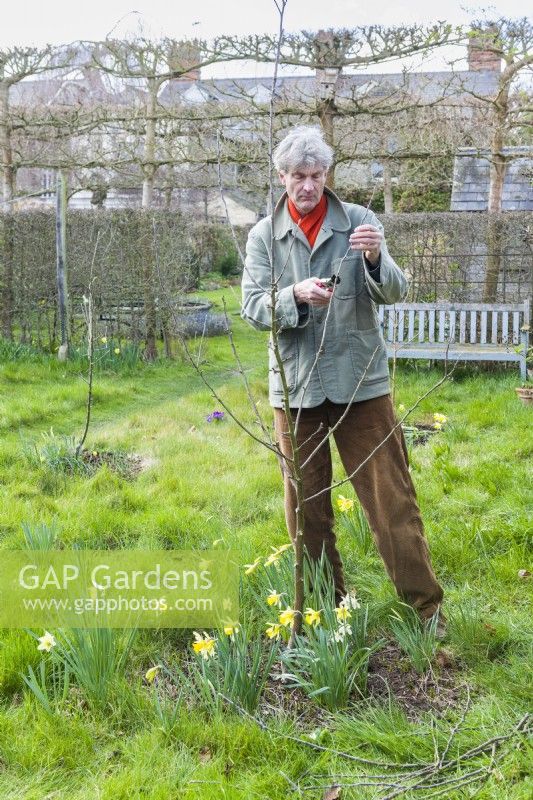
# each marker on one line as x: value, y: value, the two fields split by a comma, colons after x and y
x: 215, y: 415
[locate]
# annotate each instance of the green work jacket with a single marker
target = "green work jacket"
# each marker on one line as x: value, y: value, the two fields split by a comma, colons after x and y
x: 334, y: 352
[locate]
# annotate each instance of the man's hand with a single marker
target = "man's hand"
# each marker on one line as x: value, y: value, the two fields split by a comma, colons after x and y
x: 367, y: 238
x: 312, y: 291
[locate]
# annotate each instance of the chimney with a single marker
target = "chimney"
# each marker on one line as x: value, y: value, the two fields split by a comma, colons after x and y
x: 483, y: 51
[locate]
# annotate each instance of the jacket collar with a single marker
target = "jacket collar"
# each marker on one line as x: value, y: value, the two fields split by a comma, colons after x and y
x: 336, y: 217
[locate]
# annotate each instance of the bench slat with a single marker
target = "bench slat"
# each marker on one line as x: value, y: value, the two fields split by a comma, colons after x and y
x: 411, y: 326
x: 516, y: 327
x: 399, y: 333
x: 442, y: 319
x: 451, y: 332
x: 483, y: 334
x: 494, y: 338
x: 391, y: 332
x: 421, y: 323
x: 473, y: 327
x: 505, y: 326
x: 462, y: 327
x: 431, y: 332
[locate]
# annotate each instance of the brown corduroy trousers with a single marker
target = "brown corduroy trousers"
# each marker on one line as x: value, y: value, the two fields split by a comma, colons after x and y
x: 383, y: 486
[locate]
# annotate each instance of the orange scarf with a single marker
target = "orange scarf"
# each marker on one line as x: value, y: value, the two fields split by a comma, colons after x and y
x: 312, y: 222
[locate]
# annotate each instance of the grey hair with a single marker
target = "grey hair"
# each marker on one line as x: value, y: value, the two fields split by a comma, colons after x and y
x: 304, y: 146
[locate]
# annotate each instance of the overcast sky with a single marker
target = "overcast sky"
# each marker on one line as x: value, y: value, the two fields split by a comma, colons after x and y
x: 53, y: 21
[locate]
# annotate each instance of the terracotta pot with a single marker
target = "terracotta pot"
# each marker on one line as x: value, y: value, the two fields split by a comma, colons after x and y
x: 525, y: 393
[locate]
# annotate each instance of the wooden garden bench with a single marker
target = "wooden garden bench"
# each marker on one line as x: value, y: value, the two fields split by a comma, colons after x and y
x: 457, y: 331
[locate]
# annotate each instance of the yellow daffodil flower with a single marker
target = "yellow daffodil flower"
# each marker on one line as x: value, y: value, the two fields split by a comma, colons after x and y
x: 46, y: 642
x: 312, y: 617
x: 401, y: 409
x: 344, y: 503
x: 104, y: 339
x: 343, y: 613
x: 274, y: 598
x: 273, y: 630
x: 152, y: 673
x: 249, y: 568
x: 437, y: 426
x: 231, y: 630
x: 440, y: 418
x: 117, y: 351
x: 287, y: 617
x: 204, y: 645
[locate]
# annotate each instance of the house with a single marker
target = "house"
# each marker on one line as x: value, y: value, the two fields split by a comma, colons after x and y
x: 86, y: 87
x: 470, y: 191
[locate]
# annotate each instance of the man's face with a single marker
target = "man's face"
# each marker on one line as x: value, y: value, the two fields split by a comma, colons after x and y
x: 305, y: 186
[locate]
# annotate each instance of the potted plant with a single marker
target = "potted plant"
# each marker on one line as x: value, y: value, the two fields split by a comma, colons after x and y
x: 525, y: 393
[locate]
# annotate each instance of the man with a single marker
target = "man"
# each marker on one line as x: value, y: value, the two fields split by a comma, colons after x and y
x: 331, y: 267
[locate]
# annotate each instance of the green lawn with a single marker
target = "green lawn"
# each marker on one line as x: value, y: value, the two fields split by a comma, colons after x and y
x: 202, y: 483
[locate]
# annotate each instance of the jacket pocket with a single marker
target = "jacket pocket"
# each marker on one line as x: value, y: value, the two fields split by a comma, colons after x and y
x: 288, y: 350
x: 350, y: 270
x: 369, y: 355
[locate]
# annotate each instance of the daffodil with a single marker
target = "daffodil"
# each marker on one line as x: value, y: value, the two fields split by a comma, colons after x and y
x: 342, y: 631
x: 231, y: 630
x: 152, y: 673
x: 273, y: 630
x: 440, y: 418
x: 46, y: 642
x: 437, y: 426
x: 117, y: 351
x: 312, y: 617
x: 344, y: 503
x: 104, y: 339
x: 287, y: 617
x: 350, y: 601
x: 401, y: 409
x: 204, y: 645
x: 273, y: 558
x: 284, y: 547
x: 343, y: 613
x: 95, y: 453
x: 274, y: 598
x: 249, y: 568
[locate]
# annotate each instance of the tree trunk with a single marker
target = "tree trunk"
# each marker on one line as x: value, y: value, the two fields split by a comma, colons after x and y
x: 61, y: 262
x: 7, y: 293
x: 387, y: 188
x: 6, y: 153
x: 497, y: 177
x: 149, y: 170
x: 326, y: 115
